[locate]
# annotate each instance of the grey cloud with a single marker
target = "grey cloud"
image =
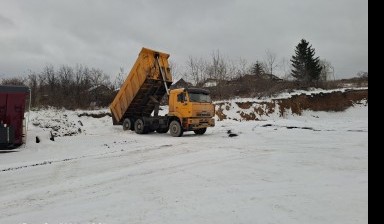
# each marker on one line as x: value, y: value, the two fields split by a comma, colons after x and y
x: 5, y: 22
x: 109, y: 34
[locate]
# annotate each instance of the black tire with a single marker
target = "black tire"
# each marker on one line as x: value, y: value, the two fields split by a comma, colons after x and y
x: 127, y: 125
x: 175, y: 129
x: 140, y: 127
x: 162, y: 130
x: 200, y: 131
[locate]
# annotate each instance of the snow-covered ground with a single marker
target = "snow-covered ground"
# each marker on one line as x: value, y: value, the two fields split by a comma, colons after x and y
x: 290, y: 94
x: 308, y: 169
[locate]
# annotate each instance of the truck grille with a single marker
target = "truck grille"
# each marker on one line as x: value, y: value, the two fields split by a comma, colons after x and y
x: 204, y: 114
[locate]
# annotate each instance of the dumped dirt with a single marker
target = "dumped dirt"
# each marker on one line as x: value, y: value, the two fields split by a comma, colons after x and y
x: 95, y: 115
x: 220, y: 114
x: 62, y: 123
x: 244, y: 106
x: 248, y: 117
x: 330, y: 102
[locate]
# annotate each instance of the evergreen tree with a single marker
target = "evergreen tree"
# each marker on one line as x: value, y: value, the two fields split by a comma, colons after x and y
x: 306, y: 67
x: 258, y: 69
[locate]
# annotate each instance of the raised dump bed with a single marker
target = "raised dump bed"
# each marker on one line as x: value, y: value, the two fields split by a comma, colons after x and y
x: 143, y: 88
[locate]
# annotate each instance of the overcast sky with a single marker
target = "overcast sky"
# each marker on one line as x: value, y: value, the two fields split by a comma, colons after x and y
x: 108, y: 34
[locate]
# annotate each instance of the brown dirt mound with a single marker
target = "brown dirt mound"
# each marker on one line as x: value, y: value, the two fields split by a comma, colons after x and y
x: 220, y: 113
x: 248, y: 117
x: 335, y: 101
x: 96, y: 115
x: 329, y: 102
x: 244, y: 106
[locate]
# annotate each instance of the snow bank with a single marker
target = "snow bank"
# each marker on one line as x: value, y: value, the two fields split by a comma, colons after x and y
x: 304, y: 169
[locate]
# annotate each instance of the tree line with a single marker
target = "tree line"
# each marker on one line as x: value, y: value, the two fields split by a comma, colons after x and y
x: 82, y: 87
x: 304, y: 66
x: 68, y: 87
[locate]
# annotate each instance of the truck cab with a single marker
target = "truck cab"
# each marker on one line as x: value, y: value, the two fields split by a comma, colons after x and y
x: 194, y: 109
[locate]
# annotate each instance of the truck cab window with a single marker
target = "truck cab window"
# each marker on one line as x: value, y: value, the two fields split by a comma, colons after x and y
x: 181, y: 97
x: 200, y: 98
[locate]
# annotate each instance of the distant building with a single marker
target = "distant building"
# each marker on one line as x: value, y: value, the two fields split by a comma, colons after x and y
x: 254, y: 78
x: 181, y: 84
x: 270, y: 77
x: 100, y: 96
x: 210, y: 83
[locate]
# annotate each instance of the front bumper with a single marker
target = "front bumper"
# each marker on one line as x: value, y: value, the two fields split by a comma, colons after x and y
x: 191, y: 124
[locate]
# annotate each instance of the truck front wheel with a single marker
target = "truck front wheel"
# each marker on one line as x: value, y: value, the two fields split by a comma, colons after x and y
x: 139, y: 127
x: 175, y: 129
x: 200, y: 131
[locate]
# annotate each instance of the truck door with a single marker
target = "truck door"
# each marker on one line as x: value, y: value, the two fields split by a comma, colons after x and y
x: 181, y: 106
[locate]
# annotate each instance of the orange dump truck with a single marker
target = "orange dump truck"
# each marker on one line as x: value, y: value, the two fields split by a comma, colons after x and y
x: 136, y: 105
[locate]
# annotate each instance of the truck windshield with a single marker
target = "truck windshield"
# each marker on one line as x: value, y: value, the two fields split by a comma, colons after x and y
x: 200, y: 98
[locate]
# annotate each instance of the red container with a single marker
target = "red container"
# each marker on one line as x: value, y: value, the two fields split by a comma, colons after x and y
x: 12, y: 109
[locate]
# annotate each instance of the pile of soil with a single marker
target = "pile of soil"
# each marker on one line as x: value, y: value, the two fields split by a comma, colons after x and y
x: 330, y: 102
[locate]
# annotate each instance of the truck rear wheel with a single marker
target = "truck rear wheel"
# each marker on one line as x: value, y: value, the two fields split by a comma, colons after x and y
x: 200, y: 131
x: 175, y: 129
x: 139, y: 127
x: 127, y: 125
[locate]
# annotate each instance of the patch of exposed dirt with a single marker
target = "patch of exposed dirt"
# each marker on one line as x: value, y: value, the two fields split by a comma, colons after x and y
x: 245, y: 105
x: 335, y: 102
x: 95, y: 115
x: 248, y: 117
x: 297, y: 104
x: 220, y: 114
x: 270, y: 107
x: 259, y: 110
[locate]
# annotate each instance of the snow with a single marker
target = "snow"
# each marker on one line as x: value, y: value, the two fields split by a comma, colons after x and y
x: 298, y: 169
x: 287, y: 95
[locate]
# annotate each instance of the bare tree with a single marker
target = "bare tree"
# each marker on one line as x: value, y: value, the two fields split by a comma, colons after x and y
x: 68, y: 86
x: 270, y: 62
x: 18, y: 81
x: 65, y: 76
x: 243, y: 67
x: 233, y: 70
x: 197, y: 70
x: 286, y: 68
x: 34, y: 87
x: 193, y: 70
x: 175, y: 70
x: 120, y: 78
x: 82, y: 83
x: 49, y: 73
x: 327, y: 71
x: 362, y: 75
x: 42, y: 89
x: 218, y: 69
x: 52, y: 88
x: 98, y: 77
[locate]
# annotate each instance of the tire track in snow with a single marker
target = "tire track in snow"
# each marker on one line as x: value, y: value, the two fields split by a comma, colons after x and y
x: 45, y: 163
